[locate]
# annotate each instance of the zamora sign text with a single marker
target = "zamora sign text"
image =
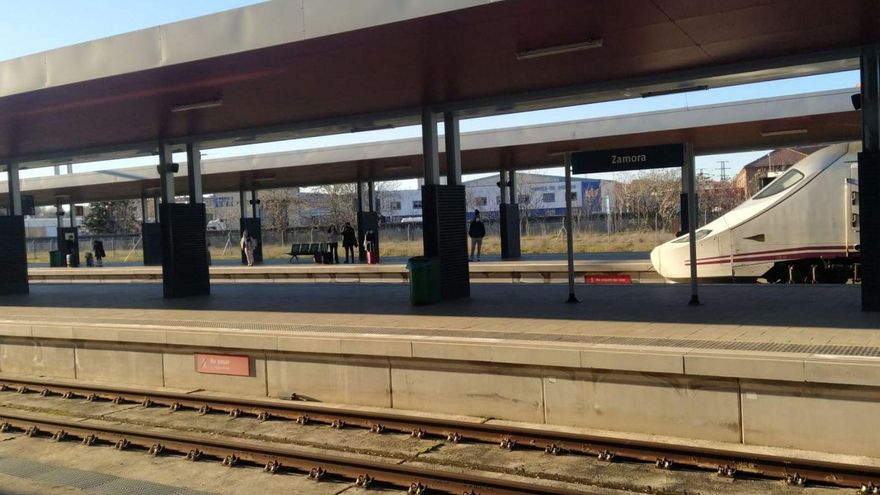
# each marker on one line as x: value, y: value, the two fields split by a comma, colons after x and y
x: 615, y: 160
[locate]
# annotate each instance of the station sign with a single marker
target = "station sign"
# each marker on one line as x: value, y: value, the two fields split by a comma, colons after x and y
x: 609, y: 279
x: 623, y: 159
x: 223, y: 364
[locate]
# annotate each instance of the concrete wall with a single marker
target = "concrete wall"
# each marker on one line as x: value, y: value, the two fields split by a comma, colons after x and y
x: 811, y: 416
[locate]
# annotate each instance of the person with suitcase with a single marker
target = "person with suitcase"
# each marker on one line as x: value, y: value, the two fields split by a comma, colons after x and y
x: 333, y: 244
x: 370, y: 247
x: 248, y: 245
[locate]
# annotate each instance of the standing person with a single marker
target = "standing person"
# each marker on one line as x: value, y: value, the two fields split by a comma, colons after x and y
x: 349, y: 241
x: 476, y: 231
x: 333, y: 243
x: 100, y: 254
x: 248, y: 244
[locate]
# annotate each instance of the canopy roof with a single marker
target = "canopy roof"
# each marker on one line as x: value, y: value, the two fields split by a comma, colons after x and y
x: 291, y: 68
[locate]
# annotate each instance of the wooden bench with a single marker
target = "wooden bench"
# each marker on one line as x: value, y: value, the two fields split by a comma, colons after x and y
x: 306, y: 248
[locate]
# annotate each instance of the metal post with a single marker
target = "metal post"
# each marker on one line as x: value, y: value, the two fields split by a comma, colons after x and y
x: 429, y: 146
x: 166, y: 174
x: 511, y: 181
x: 242, y: 210
x: 14, y: 206
x: 869, y: 179
x: 692, y: 218
x: 569, y: 235
x: 253, y: 203
x: 72, y: 215
x: 156, y: 209
x: 452, y: 136
x: 371, y: 186
x: 505, y: 190
x: 59, y: 213
x: 143, y: 208
x: 360, y: 196
x: 194, y: 173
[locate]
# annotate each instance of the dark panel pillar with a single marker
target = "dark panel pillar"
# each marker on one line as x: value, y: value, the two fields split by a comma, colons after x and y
x: 184, y: 241
x: 869, y: 179
x: 152, y: 242
x: 184, y: 251
x: 444, y: 218
x: 362, y: 224
x: 13, y: 251
x: 452, y: 137
x: 509, y: 217
x: 13, y: 256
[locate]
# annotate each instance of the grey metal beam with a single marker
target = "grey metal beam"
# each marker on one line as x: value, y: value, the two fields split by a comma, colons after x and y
x: 194, y: 173
x: 371, y: 196
x: 242, y: 201
x: 503, y: 183
x: 14, y: 184
x: 452, y: 136
x: 254, y: 203
x: 430, y: 149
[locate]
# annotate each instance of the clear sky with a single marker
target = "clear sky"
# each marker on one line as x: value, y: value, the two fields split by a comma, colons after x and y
x: 39, y: 25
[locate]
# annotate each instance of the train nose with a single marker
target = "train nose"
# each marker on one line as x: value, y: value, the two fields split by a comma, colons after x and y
x: 656, y: 256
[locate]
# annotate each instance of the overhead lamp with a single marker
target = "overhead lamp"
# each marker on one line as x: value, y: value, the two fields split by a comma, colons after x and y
x: 786, y: 132
x: 199, y: 105
x: 560, y: 49
x: 674, y: 91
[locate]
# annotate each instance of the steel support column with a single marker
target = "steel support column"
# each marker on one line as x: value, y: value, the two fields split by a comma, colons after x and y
x: 371, y: 196
x: 72, y: 215
x: 194, y: 173
x: 690, y: 165
x: 444, y: 216
x: 166, y: 174
x: 254, y: 203
x: 143, y: 208
x: 569, y: 234
x: 429, y: 147
x: 452, y: 136
x: 13, y: 208
x: 869, y: 179
x: 242, y: 209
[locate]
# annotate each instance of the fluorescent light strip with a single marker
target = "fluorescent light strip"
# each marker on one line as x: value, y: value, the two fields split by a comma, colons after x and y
x: 788, y: 132
x: 556, y: 50
x: 197, y: 105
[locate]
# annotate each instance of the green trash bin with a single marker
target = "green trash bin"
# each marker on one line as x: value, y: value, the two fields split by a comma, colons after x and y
x: 424, y: 280
x: 54, y: 258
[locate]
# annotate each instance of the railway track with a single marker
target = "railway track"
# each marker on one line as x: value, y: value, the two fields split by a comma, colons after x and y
x: 663, y: 455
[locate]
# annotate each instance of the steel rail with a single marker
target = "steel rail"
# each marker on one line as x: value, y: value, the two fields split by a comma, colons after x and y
x: 317, y: 465
x: 662, y: 454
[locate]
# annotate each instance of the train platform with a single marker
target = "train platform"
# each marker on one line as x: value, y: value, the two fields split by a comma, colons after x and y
x: 545, y: 271
x: 776, y: 366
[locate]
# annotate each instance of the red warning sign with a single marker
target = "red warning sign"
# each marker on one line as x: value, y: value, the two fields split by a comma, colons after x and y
x: 608, y: 279
x: 221, y: 364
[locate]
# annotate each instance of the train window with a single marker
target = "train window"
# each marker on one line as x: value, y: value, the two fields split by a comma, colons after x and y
x: 784, y: 182
x: 698, y: 234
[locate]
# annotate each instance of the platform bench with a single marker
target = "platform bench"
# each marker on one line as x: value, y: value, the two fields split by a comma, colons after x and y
x: 307, y: 248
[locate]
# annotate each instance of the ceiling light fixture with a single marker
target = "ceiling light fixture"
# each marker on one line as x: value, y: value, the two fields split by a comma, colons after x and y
x: 674, y: 91
x: 788, y: 132
x: 560, y: 49
x: 197, y: 105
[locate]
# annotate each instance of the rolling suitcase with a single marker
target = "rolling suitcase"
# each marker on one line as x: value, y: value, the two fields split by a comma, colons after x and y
x: 372, y: 258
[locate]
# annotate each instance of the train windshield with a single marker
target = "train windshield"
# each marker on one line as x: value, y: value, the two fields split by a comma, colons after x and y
x: 698, y: 234
x: 787, y: 180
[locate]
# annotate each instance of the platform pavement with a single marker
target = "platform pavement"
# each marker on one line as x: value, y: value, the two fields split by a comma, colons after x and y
x: 760, y: 365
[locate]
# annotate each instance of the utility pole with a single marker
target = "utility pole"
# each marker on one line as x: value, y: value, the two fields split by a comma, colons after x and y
x: 722, y: 167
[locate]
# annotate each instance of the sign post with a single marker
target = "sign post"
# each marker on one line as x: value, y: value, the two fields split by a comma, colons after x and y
x: 641, y: 158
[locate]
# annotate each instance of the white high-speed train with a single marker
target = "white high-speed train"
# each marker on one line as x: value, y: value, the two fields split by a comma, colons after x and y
x: 803, y: 227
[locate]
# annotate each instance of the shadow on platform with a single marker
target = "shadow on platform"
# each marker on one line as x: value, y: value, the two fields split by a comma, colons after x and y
x: 777, y: 305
